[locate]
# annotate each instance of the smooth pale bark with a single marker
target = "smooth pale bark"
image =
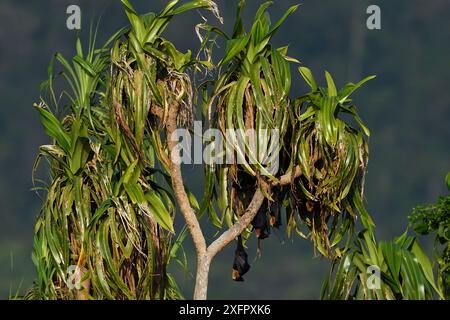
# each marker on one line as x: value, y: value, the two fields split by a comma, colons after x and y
x: 201, y: 280
x: 178, y: 186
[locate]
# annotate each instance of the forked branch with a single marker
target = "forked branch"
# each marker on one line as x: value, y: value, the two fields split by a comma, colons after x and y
x: 206, y: 254
x: 244, y: 221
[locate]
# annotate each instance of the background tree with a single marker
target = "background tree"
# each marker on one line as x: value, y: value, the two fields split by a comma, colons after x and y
x: 435, y: 219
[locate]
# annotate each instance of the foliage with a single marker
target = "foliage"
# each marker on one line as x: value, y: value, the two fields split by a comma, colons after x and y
x: 333, y: 156
x: 106, y: 210
x: 435, y: 219
x: 405, y: 271
x: 251, y: 92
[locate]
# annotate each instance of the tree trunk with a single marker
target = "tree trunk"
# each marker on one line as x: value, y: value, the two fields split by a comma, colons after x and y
x: 201, y: 281
x: 204, y: 258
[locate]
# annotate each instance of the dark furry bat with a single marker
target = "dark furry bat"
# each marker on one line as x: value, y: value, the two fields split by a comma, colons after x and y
x: 240, y: 264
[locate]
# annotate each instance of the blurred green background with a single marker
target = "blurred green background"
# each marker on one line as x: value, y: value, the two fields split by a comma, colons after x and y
x: 406, y: 107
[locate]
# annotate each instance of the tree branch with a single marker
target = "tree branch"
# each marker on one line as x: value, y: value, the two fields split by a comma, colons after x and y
x: 258, y: 198
x: 178, y: 186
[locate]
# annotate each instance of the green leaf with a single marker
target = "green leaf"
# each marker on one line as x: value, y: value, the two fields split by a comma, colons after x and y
x: 191, y: 5
x: 392, y: 255
x: 414, y: 285
x: 262, y: 9
x: 426, y: 265
x: 179, y: 59
x: 351, y: 87
x: 366, y: 219
x: 99, y: 212
x: 158, y: 211
x: 137, y: 23
x: 238, y: 29
x: 135, y: 192
x: 86, y: 66
x: 192, y: 199
x: 282, y: 73
x: 54, y: 128
x: 168, y: 10
x: 329, y: 125
x: 80, y: 154
x: 332, y: 91
x: 126, y: 177
x: 274, y: 29
x: 308, y: 76
x: 234, y: 47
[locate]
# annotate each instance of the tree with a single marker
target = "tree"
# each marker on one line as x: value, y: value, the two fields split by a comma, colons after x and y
x: 435, y: 219
x: 108, y: 211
